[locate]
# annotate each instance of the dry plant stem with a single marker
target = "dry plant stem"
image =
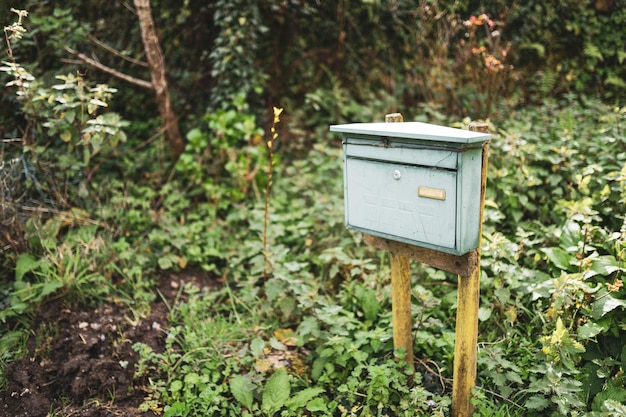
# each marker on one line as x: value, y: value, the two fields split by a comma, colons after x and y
x: 270, y: 169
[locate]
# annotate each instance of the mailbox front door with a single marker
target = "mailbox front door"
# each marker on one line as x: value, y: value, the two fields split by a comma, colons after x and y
x: 402, y: 201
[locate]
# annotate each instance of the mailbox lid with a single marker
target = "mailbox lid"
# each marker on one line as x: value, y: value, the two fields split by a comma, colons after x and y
x: 412, y: 204
x: 413, y: 130
x: 404, y: 151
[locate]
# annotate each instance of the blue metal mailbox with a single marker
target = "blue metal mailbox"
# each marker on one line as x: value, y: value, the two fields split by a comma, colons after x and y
x: 413, y: 182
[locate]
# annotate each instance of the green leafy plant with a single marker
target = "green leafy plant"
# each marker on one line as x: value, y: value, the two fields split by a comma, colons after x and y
x: 225, y: 161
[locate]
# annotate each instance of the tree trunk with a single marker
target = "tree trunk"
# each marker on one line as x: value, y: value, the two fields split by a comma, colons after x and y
x: 157, y: 74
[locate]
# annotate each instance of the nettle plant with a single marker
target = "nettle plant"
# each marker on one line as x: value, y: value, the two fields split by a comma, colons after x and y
x: 555, y: 260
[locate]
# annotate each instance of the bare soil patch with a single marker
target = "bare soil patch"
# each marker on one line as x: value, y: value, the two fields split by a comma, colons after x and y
x: 80, y: 361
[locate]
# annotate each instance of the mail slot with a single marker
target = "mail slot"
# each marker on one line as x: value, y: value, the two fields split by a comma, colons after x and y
x: 413, y: 182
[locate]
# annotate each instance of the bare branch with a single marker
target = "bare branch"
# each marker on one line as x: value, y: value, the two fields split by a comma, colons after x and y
x: 116, y: 52
x: 84, y: 58
x: 129, y: 7
x: 72, y: 61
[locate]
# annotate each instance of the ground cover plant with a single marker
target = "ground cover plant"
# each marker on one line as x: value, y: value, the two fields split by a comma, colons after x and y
x: 224, y: 282
x: 313, y: 334
x: 550, y: 339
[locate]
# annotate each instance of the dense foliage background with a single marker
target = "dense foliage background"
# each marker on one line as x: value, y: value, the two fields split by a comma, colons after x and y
x: 302, y: 54
x: 94, y: 204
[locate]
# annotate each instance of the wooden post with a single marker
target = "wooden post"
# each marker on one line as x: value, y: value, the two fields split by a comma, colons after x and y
x: 466, y: 342
x: 401, y: 292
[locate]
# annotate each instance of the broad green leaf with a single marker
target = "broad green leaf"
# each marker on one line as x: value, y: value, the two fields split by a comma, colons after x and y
x: 615, y: 407
x: 192, y: 378
x: 49, y: 288
x: 176, y: 385
x: 503, y: 294
x: 303, y: 397
x: 66, y: 136
x: 18, y: 307
x: 25, y: 263
x: 318, y: 367
x: 536, y: 402
x: 589, y: 330
x: 558, y: 257
x: 243, y: 390
x: 179, y: 408
x: 309, y: 327
x: 514, y: 376
x: 276, y: 392
x: 484, y: 313
x: 605, y: 265
x: 70, y: 115
x: 317, y: 404
x: 256, y: 346
x: 605, y: 304
x: 276, y: 344
x: 194, y: 136
x: 165, y: 262
x: 294, y: 266
x: 97, y: 102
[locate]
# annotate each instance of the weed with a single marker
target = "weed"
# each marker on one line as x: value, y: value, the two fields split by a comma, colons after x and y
x: 271, y: 146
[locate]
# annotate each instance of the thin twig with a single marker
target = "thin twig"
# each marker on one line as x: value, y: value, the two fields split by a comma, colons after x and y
x: 109, y: 70
x: 438, y: 373
x: 267, y: 203
x: 147, y: 141
x: 72, y: 61
x: 116, y: 52
x: 495, y: 394
x: 129, y: 7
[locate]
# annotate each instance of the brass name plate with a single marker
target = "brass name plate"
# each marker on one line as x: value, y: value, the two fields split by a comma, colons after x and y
x: 434, y: 193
